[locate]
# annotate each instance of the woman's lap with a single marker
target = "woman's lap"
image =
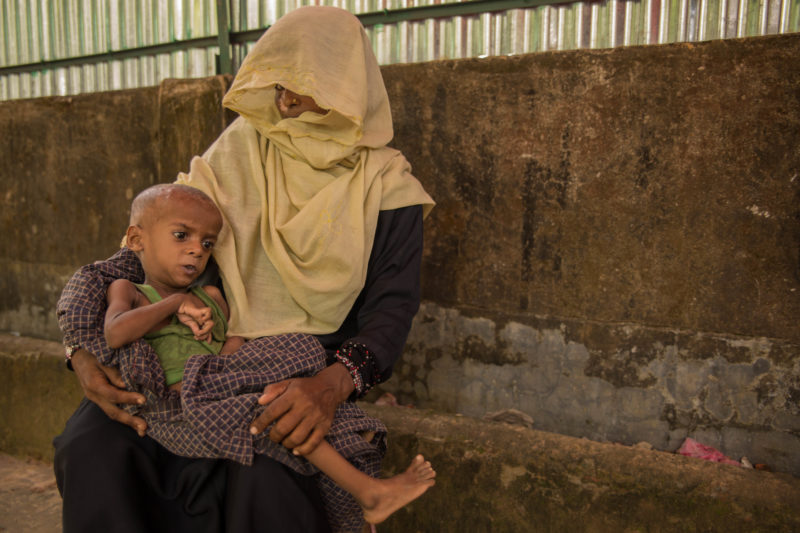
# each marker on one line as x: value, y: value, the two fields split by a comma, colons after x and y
x: 113, y: 480
x: 269, y: 496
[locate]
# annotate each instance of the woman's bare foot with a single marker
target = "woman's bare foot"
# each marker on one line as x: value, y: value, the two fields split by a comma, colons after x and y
x: 391, y: 494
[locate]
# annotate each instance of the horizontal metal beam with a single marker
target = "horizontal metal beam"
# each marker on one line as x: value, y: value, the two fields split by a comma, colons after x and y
x: 117, y: 55
x: 475, y: 7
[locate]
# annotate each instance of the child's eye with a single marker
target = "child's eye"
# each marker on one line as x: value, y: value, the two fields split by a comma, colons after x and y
x: 208, y: 245
x: 180, y: 235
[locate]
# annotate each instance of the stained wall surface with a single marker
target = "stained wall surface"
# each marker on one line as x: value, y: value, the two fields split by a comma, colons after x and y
x: 616, y: 245
x: 615, y: 250
x: 69, y: 168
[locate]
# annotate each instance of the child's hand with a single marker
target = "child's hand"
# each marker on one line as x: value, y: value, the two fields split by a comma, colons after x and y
x: 198, y: 318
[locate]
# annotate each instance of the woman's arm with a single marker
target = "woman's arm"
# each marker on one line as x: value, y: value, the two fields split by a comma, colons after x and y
x: 216, y: 295
x: 80, y: 313
x: 231, y: 343
x: 376, y: 328
x: 373, y: 336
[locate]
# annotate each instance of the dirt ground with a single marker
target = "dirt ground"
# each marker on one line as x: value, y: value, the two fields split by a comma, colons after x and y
x: 29, y: 500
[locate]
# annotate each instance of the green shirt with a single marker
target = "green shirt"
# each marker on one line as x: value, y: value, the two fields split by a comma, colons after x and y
x: 175, y: 343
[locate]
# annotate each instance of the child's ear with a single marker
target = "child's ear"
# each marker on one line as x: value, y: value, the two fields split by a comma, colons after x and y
x: 133, y: 238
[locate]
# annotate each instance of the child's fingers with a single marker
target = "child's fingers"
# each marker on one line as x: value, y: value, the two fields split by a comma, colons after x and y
x: 200, y: 314
x: 192, y: 325
x: 204, y: 328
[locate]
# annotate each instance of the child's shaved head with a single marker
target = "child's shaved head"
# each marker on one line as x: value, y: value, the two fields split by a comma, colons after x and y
x: 157, y: 196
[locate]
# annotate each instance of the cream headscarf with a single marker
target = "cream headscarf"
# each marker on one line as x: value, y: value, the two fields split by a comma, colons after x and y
x: 301, y: 196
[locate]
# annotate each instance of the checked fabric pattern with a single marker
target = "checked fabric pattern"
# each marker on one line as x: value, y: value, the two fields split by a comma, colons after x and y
x: 211, y: 415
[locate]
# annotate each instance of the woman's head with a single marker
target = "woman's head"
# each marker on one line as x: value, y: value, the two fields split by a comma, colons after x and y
x: 308, y: 162
x: 321, y: 53
x: 291, y: 104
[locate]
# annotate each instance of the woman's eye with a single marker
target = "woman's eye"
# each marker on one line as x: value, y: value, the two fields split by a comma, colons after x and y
x: 180, y: 235
x: 208, y: 245
x: 279, y: 87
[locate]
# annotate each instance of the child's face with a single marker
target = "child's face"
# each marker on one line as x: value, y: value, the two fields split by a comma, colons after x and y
x: 292, y: 105
x: 174, y: 247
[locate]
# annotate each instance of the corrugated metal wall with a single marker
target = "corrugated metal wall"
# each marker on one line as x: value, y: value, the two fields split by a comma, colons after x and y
x: 33, y: 31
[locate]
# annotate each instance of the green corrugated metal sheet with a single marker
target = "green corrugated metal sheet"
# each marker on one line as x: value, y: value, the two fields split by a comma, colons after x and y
x: 182, y: 34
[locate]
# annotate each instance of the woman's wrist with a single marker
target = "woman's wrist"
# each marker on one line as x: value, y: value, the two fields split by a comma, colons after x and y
x: 340, y: 379
x: 361, y: 365
x: 80, y: 359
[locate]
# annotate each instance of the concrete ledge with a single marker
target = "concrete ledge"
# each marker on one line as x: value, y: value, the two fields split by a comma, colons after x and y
x: 491, y: 476
x: 496, y: 477
x: 38, y: 395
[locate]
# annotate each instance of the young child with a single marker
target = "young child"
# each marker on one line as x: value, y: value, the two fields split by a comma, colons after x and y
x: 173, y: 229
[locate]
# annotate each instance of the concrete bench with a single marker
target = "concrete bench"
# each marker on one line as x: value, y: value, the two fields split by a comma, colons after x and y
x: 491, y: 476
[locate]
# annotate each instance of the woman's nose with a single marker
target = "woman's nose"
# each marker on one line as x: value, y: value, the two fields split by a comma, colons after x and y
x: 287, y: 98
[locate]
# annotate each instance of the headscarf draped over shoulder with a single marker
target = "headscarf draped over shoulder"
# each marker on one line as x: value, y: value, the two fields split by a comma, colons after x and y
x: 301, y: 196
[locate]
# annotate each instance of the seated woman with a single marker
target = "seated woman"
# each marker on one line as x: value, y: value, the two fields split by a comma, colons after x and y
x: 173, y: 229
x: 323, y: 236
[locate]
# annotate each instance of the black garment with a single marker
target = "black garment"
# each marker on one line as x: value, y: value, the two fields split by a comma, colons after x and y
x: 111, y: 480
x: 294, y: 502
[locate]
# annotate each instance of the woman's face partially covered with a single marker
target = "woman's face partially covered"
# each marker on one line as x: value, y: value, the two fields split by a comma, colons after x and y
x: 291, y: 104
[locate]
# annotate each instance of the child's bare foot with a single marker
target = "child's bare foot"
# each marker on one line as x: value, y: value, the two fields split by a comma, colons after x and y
x: 391, y: 494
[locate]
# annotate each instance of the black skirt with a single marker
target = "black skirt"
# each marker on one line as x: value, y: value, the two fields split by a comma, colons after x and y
x: 114, y: 481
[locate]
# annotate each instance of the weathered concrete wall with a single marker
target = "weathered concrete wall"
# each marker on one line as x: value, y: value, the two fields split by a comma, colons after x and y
x: 616, y: 249
x: 37, y: 396
x: 490, y: 476
x: 616, y: 246
x: 69, y: 168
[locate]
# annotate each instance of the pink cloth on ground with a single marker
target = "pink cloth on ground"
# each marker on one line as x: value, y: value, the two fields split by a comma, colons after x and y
x: 692, y: 448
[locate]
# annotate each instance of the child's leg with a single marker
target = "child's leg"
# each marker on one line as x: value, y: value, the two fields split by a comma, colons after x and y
x: 378, y: 497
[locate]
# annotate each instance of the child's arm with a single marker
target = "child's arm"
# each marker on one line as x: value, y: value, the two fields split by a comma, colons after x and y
x: 216, y: 295
x: 231, y: 343
x: 129, y: 315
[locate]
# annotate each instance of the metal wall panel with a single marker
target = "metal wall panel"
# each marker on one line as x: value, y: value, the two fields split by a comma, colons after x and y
x: 32, y: 31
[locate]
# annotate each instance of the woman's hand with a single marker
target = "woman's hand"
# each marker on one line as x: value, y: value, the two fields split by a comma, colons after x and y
x: 104, y: 386
x: 303, y: 408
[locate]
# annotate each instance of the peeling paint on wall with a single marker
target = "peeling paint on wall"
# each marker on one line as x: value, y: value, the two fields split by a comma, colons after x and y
x: 632, y: 384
